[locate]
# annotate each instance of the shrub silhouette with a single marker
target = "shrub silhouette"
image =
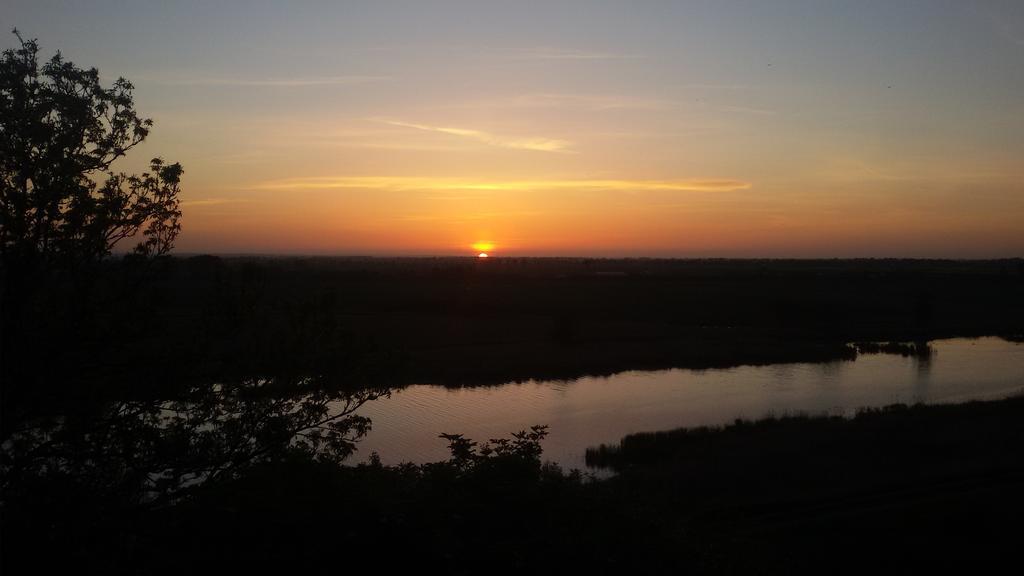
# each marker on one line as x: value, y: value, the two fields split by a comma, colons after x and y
x: 507, y: 459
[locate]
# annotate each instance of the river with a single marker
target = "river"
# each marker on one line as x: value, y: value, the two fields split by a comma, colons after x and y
x: 589, y: 411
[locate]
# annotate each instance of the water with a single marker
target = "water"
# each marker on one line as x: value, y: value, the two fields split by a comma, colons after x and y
x: 595, y: 410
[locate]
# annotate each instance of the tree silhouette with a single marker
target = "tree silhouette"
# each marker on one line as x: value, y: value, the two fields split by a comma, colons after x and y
x: 61, y: 131
x: 69, y: 412
x: 155, y: 449
x: 64, y: 208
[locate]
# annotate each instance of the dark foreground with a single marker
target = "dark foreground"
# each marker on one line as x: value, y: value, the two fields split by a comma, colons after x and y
x: 903, y: 487
x: 195, y: 415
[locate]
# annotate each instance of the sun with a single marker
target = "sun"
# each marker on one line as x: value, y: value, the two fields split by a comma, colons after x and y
x: 483, y: 248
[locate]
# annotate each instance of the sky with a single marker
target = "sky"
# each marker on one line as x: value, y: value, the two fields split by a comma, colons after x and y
x: 646, y: 128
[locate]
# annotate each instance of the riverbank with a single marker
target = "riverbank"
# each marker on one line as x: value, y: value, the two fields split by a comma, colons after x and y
x: 910, y: 486
x: 917, y: 487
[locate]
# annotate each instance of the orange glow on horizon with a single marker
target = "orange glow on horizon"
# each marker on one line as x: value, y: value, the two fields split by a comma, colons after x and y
x: 568, y: 140
x: 482, y: 255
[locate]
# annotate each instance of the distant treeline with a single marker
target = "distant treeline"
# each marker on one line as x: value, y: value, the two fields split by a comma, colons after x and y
x: 383, y: 322
x: 905, y: 349
x: 466, y: 321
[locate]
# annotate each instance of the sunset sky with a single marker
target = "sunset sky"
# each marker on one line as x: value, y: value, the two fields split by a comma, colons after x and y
x: 718, y: 128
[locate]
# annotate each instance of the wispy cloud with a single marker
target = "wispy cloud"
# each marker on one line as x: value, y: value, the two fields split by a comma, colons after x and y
x: 509, y: 53
x: 406, y: 183
x: 553, y: 53
x: 213, y: 201
x: 537, y: 144
x: 908, y: 171
x: 1010, y: 34
x: 604, y: 102
x: 729, y: 109
x: 297, y: 82
x: 471, y: 217
x: 596, y: 102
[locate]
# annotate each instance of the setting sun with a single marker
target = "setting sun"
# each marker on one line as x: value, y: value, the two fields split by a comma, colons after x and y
x: 482, y: 255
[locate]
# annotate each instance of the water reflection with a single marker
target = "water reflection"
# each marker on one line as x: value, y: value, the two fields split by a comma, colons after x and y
x: 922, y: 376
x: 595, y: 410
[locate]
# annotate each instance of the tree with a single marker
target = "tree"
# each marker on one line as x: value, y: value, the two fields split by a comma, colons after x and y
x: 161, y: 445
x: 61, y: 131
x: 63, y: 208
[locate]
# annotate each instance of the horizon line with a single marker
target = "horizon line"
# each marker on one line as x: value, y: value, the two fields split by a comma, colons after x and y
x: 471, y: 256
